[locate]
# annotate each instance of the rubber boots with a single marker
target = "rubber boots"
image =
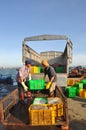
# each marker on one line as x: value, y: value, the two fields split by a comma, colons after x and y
x: 21, y: 96
x: 28, y: 94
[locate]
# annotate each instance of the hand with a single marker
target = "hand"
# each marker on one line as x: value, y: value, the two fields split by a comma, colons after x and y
x: 48, y: 85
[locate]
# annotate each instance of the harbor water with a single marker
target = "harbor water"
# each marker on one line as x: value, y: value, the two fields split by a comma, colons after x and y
x: 5, y: 89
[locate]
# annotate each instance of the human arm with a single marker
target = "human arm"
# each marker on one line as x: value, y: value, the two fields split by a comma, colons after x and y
x: 24, y: 86
x: 44, y: 77
x: 49, y: 83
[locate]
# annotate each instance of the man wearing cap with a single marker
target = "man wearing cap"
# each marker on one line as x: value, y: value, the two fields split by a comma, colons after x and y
x: 49, y: 70
x: 21, y: 80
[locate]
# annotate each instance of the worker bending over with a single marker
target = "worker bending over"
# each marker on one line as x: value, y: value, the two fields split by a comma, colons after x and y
x: 49, y: 70
x: 21, y: 77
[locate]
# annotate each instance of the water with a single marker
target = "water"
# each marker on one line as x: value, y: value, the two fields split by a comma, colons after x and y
x: 5, y: 89
x: 7, y: 71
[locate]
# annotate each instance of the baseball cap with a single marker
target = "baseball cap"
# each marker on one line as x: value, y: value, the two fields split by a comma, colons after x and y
x: 27, y: 62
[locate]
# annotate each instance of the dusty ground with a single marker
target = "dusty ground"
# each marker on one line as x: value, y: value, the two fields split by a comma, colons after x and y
x: 77, y: 113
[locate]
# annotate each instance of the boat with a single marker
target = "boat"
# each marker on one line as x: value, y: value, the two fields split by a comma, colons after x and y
x: 6, y: 79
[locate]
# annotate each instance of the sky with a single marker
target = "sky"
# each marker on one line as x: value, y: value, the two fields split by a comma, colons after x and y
x: 24, y: 18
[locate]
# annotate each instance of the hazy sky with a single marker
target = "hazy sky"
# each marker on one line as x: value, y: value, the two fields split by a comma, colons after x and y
x: 24, y: 18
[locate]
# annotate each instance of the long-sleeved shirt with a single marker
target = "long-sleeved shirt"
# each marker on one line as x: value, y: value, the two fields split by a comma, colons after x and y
x: 22, y: 73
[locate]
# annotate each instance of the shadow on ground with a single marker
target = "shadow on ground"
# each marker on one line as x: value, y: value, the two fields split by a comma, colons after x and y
x: 77, y: 125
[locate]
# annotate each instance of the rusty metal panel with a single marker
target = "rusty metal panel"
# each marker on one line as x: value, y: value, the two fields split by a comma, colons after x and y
x: 6, y: 104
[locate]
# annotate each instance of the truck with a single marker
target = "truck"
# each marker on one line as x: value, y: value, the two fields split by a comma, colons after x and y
x: 77, y: 71
x: 14, y: 115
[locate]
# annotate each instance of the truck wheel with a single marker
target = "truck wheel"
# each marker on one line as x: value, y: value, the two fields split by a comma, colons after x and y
x: 66, y: 127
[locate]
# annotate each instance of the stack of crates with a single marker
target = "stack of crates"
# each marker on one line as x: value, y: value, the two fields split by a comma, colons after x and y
x: 45, y: 114
x: 83, y: 92
x: 79, y: 87
x: 36, y: 84
x: 76, y: 88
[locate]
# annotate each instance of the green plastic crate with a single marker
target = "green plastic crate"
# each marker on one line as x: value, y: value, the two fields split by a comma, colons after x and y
x: 39, y: 69
x: 83, y: 81
x: 40, y: 101
x: 78, y: 91
x: 78, y: 85
x: 71, y: 92
x: 36, y: 84
x: 59, y: 69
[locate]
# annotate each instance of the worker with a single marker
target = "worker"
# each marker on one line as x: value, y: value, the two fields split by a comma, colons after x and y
x: 49, y: 70
x: 21, y: 78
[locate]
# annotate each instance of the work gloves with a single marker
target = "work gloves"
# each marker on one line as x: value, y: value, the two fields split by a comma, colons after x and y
x: 24, y: 86
x: 28, y: 94
x: 48, y: 85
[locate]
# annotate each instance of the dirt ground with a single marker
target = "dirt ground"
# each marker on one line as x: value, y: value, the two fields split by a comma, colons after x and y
x: 77, y: 113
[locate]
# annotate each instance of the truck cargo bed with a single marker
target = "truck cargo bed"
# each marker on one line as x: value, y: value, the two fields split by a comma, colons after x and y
x: 14, y: 114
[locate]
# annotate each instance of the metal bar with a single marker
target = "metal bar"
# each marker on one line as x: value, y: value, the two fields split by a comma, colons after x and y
x: 46, y: 37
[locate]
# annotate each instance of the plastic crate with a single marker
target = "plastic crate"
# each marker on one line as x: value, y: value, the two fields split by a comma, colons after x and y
x: 44, y: 114
x: 36, y: 84
x: 40, y: 116
x: 70, y: 82
x: 59, y: 69
x: 78, y: 91
x: 39, y: 69
x: 35, y: 69
x: 82, y: 93
x: 71, y: 92
x: 40, y: 101
x: 79, y: 87
x: 83, y: 81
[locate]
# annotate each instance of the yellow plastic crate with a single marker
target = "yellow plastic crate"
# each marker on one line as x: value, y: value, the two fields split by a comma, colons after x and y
x: 82, y: 93
x: 40, y: 116
x: 60, y: 112
x: 33, y: 117
x: 60, y: 105
x: 35, y: 69
x: 45, y: 114
x: 70, y: 82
